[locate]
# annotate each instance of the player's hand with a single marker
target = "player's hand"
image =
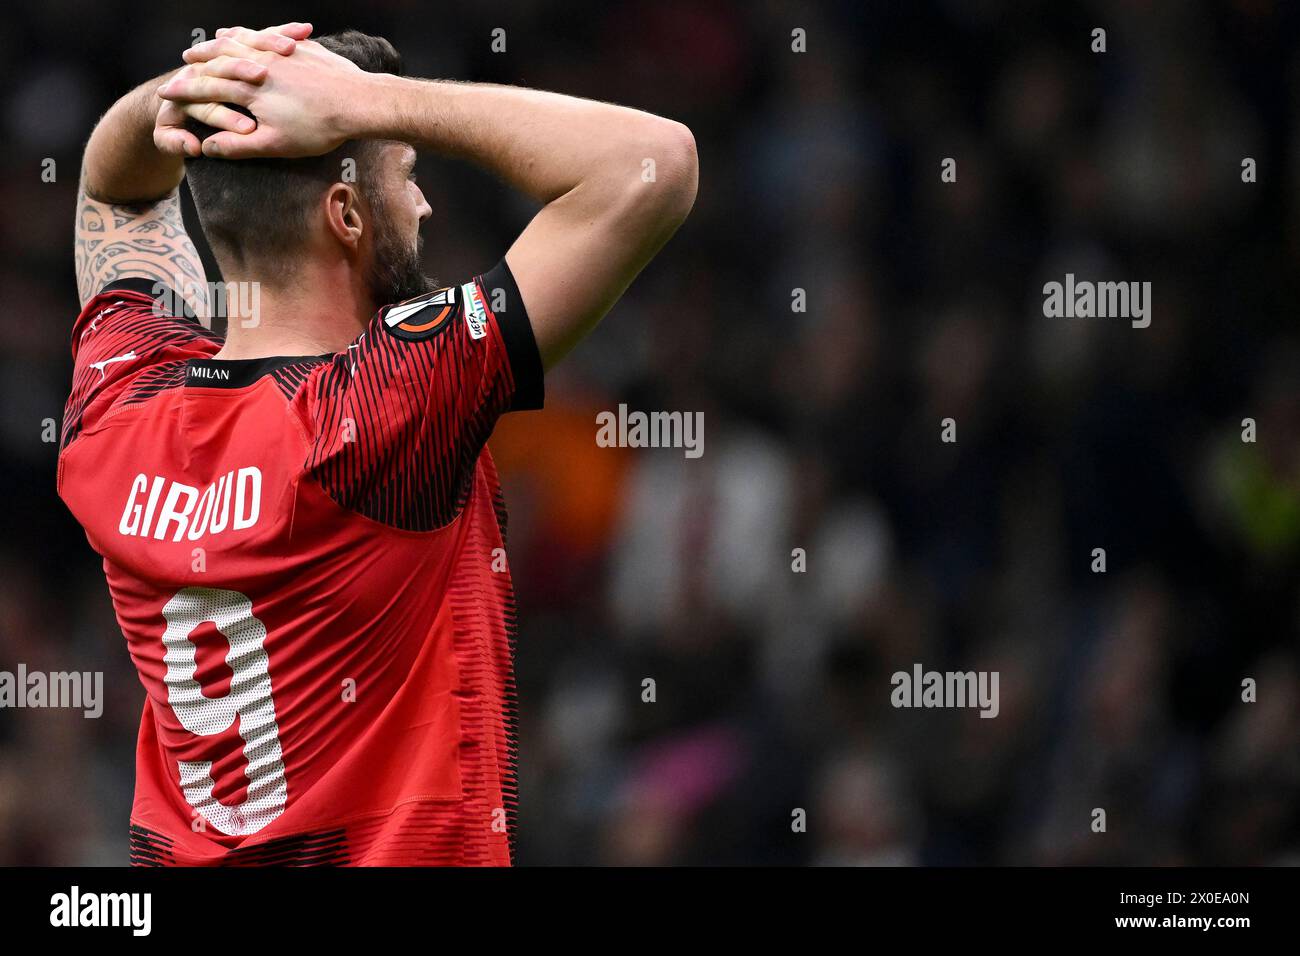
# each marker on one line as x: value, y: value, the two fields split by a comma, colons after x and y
x: 199, y: 90
x: 301, y: 103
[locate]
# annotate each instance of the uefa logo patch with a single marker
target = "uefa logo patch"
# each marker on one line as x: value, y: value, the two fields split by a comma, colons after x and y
x: 475, y: 313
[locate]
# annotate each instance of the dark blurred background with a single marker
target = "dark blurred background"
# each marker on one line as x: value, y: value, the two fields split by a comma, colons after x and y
x: 819, y: 171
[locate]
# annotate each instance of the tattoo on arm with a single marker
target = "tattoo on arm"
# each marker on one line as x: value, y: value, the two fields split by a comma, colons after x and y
x: 119, y: 240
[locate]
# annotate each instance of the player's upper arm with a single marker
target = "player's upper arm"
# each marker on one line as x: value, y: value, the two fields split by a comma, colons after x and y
x: 137, y: 240
x: 582, y: 250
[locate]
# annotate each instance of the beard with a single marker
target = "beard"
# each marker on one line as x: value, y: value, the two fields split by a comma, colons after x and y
x: 396, y: 271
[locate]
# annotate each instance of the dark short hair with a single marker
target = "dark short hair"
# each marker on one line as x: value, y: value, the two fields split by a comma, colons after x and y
x: 259, y: 209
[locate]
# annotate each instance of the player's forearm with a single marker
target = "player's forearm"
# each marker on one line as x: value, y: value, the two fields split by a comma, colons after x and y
x: 121, y: 164
x: 547, y: 145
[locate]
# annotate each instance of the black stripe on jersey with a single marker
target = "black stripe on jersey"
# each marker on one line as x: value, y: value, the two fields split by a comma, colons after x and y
x: 517, y: 331
x: 293, y: 376
x: 326, y: 848
x: 150, y: 849
x: 155, y: 379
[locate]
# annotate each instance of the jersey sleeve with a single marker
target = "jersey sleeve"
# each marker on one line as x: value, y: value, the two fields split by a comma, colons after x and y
x: 400, y: 417
x: 124, y: 337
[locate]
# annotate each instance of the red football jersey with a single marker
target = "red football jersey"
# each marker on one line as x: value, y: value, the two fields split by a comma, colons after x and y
x: 306, y: 557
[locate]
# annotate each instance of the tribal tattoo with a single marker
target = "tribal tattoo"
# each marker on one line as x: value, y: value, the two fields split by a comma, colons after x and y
x: 117, y: 241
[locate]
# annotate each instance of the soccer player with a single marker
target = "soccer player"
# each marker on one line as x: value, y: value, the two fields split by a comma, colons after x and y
x: 301, y: 526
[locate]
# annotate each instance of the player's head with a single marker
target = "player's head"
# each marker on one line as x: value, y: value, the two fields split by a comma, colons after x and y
x: 264, y: 217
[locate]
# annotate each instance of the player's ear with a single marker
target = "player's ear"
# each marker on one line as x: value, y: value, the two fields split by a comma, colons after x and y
x: 343, y: 214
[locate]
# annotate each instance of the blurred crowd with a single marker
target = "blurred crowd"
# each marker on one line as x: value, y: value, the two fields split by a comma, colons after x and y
x: 706, y: 644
